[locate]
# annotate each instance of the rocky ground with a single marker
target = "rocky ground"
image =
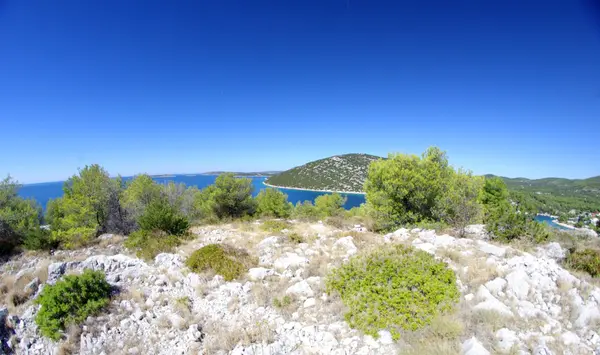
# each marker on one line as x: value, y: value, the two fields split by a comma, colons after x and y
x: 513, y: 302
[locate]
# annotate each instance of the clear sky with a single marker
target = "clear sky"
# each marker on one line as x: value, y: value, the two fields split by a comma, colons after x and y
x: 505, y: 87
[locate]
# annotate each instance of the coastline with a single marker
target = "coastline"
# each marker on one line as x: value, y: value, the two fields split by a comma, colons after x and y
x: 568, y: 226
x: 331, y: 191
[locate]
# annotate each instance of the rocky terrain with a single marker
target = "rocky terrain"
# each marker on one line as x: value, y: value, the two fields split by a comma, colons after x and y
x: 512, y: 302
x: 341, y: 173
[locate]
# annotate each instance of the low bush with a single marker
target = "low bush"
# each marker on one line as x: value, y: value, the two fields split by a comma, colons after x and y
x: 39, y: 239
x: 295, y: 238
x: 162, y: 216
x: 587, y: 260
x: 224, y: 260
x: 396, y: 288
x: 274, y: 226
x: 147, y: 245
x: 70, y: 301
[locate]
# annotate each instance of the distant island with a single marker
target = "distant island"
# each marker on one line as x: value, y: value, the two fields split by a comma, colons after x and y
x: 340, y: 173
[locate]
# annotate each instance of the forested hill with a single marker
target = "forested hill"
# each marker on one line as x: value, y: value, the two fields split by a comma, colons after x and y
x: 337, y: 173
x: 557, y: 195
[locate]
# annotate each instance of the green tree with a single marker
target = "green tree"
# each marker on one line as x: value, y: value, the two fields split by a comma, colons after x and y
x: 139, y: 193
x: 305, y: 211
x: 162, y: 216
x: 273, y: 203
x: 91, y: 205
x: 19, y: 218
x: 228, y: 197
x: 330, y: 205
x: 404, y: 189
x: 458, y: 205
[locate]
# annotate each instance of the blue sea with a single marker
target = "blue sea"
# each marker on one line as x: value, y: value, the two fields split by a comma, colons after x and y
x: 548, y: 221
x: 43, y: 192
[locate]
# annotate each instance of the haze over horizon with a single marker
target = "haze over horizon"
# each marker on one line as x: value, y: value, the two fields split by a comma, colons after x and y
x: 507, y: 88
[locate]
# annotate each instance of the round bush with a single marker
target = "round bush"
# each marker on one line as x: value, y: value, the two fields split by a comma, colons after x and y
x: 396, y: 288
x: 224, y: 260
x: 70, y: 301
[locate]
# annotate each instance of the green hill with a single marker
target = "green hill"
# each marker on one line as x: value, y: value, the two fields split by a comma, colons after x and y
x: 344, y: 173
x: 556, y: 195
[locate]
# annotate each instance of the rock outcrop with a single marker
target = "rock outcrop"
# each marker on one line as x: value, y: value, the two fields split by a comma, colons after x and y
x: 163, y: 308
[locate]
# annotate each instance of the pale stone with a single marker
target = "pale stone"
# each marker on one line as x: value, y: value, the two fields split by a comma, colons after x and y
x: 472, y: 346
x: 506, y: 339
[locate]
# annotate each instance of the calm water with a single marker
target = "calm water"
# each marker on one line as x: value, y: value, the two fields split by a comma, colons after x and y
x: 548, y: 220
x: 45, y: 191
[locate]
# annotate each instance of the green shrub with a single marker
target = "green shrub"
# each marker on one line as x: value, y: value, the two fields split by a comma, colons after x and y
x: 70, y: 301
x: 330, y: 205
x: 274, y: 226
x: 18, y: 217
x: 229, y: 262
x: 282, y: 302
x: 295, y: 238
x: 228, y: 198
x: 305, y: 211
x: 159, y: 215
x: 587, y: 260
x: 39, y: 239
x: 273, y: 203
x: 148, y: 245
x: 395, y: 288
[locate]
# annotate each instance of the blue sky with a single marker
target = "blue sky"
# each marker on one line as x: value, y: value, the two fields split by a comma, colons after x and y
x: 505, y: 87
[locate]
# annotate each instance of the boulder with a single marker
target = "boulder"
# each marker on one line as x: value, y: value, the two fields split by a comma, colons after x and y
x: 472, y: 346
x: 518, y: 284
x: 552, y: 251
x: 259, y: 273
x: 290, y: 260
x: 346, y: 244
x: 506, y: 339
x: 300, y: 289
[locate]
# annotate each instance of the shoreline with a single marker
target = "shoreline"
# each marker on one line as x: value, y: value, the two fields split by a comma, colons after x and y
x: 568, y: 226
x: 314, y: 190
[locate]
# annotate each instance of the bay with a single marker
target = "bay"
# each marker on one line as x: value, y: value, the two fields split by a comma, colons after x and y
x: 43, y: 192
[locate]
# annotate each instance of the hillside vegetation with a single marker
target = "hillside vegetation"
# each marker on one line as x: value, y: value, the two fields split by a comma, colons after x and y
x: 341, y: 173
x: 556, y: 195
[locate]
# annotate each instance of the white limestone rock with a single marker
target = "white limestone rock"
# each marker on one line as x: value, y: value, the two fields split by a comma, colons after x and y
x: 300, y: 289
x: 346, y: 244
x: 506, y: 339
x: 472, y: 346
x: 290, y: 261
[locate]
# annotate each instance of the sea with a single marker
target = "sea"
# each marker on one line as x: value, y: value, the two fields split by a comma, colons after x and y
x: 549, y: 221
x: 43, y: 192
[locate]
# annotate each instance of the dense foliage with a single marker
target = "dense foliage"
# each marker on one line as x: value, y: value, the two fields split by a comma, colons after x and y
x: 19, y: 219
x: 330, y: 205
x: 229, y: 197
x: 229, y: 262
x: 90, y: 206
x: 396, y: 288
x: 338, y: 173
x: 70, y: 301
x: 508, y: 220
x: 556, y: 196
x: 587, y: 260
x: 273, y: 203
x: 407, y: 189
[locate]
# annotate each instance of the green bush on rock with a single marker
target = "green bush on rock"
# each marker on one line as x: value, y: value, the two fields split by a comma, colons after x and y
x: 396, y: 288
x: 224, y: 260
x: 70, y: 301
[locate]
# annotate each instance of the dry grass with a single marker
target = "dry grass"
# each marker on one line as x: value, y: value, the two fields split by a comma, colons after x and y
x: 261, y: 294
x: 225, y: 337
x: 71, y: 344
x: 452, y: 254
x: 478, y: 272
x: 441, y: 336
x: 318, y: 265
x: 13, y: 289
